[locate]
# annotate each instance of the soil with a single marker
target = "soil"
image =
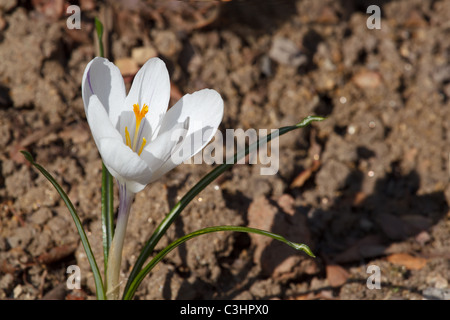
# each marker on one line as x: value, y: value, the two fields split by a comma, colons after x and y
x: 367, y: 189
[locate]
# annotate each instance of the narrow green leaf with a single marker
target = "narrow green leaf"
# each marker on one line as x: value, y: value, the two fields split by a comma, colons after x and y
x: 99, y: 30
x: 79, y: 226
x: 203, y: 183
x: 146, y: 270
x: 107, y: 181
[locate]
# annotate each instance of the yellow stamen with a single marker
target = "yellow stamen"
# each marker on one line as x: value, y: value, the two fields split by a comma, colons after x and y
x: 144, y: 141
x: 139, y: 114
x: 127, y: 138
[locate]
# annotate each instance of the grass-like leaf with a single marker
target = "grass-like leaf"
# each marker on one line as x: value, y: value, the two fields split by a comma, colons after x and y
x: 203, y: 183
x: 107, y: 180
x: 79, y: 226
x: 146, y: 270
x: 99, y: 30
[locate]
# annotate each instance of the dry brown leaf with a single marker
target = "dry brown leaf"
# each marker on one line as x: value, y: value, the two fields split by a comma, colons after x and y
x: 305, y: 175
x: 408, y: 261
x: 336, y: 275
x: 57, y: 253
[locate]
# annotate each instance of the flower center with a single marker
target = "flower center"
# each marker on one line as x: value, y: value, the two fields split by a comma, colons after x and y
x: 139, y: 114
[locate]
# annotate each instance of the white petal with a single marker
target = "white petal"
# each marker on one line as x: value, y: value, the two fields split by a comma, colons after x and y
x: 204, y: 109
x: 103, y: 78
x: 158, y: 151
x: 98, y: 120
x: 124, y: 164
x: 151, y: 86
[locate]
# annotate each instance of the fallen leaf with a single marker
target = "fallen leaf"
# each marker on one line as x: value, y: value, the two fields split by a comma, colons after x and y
x: 359, y: 198
x: 305, y: 175
x: 336, y: 275
x: 57, y: 293
x: 57, y: 253
x: 408, y: 261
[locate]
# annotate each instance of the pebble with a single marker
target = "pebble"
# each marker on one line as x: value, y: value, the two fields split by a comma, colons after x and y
x: 436, y: 294
x: 167, y: 43
x: 17, y: 291
x: 367, y: 79
x: 285, y: 51
x: 127, y: 66
x: 142, y: 54
x: 6, y: 281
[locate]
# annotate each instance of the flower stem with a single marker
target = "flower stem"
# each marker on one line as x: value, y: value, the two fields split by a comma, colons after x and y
x: 115, y: 251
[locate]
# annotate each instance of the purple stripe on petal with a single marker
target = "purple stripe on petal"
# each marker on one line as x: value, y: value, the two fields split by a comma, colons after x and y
x: 125, y: 200
x: 89, y: 80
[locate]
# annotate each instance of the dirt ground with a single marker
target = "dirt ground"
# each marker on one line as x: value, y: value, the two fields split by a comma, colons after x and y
x: 366, y: 188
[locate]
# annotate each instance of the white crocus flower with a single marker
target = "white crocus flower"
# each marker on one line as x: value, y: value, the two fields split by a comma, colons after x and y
x: 138, y: 139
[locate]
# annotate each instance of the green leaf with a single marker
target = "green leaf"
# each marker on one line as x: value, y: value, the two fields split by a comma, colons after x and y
x: 203, y: 183
x: 99, y: 30
x: 79, y: 226
x: 143, y: 273
x: 107, y: 182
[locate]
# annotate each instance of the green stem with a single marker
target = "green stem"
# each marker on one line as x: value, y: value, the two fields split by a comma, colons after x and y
x: 99, y: 30
x: 107, y: 183
x: 115, y: 252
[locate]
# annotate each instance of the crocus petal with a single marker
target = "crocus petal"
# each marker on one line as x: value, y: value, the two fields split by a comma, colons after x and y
x: 151, y: 86
x: 204, y: 109
x: 103, y: 79
x: 97, y: 117
x: 123, y: 164
x: 158, y: 151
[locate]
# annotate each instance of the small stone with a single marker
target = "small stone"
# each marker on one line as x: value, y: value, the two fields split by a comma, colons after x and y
x: 142, y: 54
x: 167, y: 43
x: 87, y: 5
x: 285, y: 51
x: 41, y: 216
x: 7, y: 5
x: 20, y: 238
x: 52, y: 9
x: 2, y: 22
x: 437, y: 281
x: 6, y: 281
x: 17, y: 291
x: 436, y: 294
x: 127, y: 66
x: 367, y: 79
x: 327, y: 16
